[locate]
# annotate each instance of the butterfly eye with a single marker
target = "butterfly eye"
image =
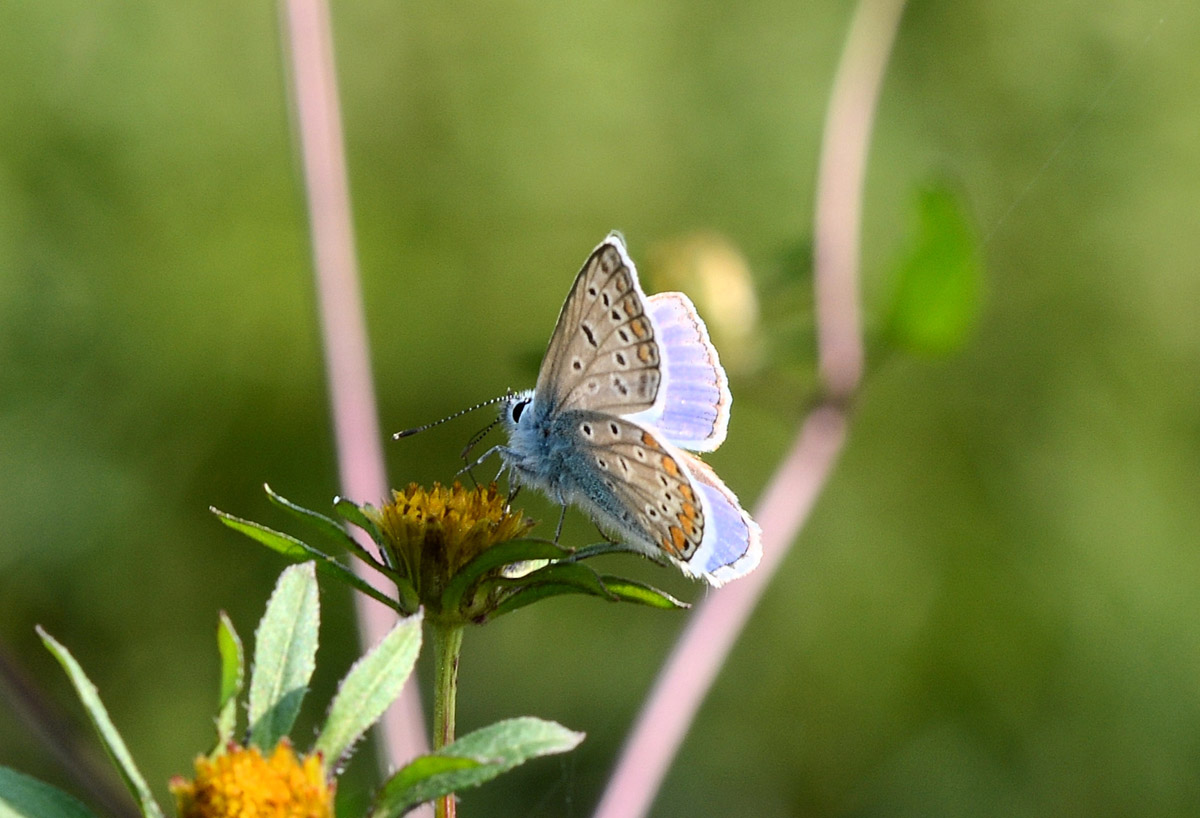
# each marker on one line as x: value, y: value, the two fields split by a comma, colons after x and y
x: 518, y: 408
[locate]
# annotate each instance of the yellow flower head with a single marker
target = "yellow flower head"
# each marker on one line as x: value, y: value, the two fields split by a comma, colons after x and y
x: 240, y: 783
x: 433, y: 533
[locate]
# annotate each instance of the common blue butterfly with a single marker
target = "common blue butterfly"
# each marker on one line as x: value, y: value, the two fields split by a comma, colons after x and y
x: 628, y: 383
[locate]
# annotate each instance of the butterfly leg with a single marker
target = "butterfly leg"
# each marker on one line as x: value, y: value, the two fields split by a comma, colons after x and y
x: 561, y: 519
x: 471, y: 444
x: 467, y: 468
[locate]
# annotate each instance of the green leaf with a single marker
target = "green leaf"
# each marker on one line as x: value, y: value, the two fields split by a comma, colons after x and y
x: 24, y: 797
x: 938, y: 280
x: 298, y: 551
x: 527, y: 596
x: 285, y: 648
x: 505, y: 553
x: 600, y: 548
x: 494, y: 750
x: 580, y: 577
x: 112, y: 740
x: 326, y: 525
x: 629, y: 590
x: 229, y: 645
x: 372, y: 684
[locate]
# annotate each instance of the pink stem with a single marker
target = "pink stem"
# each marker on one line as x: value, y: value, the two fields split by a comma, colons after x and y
x: 716, y: 622
x: 343, y: 326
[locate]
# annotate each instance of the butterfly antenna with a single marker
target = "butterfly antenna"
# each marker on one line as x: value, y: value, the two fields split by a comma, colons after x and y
x: 460, y: 413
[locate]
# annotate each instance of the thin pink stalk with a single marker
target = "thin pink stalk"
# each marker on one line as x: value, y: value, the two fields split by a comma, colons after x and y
x: 716, y: 622
x: 343, y: 325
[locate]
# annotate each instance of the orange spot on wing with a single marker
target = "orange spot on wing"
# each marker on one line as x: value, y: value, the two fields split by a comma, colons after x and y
x: 677, y: 540
x: 686, y: 491
x: 639, y: 328
x: 670, y: 466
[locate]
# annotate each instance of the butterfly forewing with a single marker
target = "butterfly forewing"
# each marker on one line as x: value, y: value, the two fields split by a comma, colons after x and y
x: 643, y: 485
x: 603, y: 354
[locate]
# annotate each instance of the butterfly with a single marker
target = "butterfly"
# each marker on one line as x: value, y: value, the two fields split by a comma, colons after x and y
x: 628, y: 383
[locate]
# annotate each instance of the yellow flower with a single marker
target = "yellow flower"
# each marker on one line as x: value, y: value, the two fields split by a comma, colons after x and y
x: 240, y: 783
x: 432, y: 533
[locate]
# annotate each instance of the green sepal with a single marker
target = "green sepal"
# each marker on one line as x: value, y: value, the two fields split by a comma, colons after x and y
x: 352, y: 513
x: 373, y: 682
x: 111, y: 739
x: 22, y: 796
x: 500, y: 554
x: 472, y: 760
x: 285, y: 649
x: 233, y: 663
x: 299, y: 551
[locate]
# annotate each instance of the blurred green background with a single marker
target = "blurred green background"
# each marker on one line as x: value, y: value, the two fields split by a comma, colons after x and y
x: 994, y: 610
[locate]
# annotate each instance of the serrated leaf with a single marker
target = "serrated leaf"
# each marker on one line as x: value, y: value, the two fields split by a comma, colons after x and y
x: 505, y: 553
x: 111, y: 739
x: 494, y: 749
x: 372, y: 684
x: 629, y: 590
x: 285, y: 649
x: 300, y: 551
x: 938, y: 280
x: 22, y: 796
x: 229, y: 646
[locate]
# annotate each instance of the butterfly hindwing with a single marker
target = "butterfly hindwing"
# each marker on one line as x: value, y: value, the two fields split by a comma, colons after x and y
x: 732, y: 542
x: 692, y: 407
x: 603, y: 354
x: 642, y: 487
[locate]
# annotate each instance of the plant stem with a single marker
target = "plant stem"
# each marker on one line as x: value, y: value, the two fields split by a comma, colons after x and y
x: 447, y: 644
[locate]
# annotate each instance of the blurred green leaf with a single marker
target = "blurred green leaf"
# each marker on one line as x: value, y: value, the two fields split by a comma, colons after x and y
x: 488, y: 752
x: 300, y: 551
x: 112, y: 740
x: 372, y: 684
x: 229, y: 645
x: 938, y: 280
x: 22, y: 796
x: 285, y: 648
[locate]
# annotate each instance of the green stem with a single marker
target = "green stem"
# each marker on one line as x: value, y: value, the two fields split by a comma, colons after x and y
x: 447, y: 644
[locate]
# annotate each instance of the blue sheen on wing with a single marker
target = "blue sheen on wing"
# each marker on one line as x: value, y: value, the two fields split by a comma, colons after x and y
x: 693, y: 409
